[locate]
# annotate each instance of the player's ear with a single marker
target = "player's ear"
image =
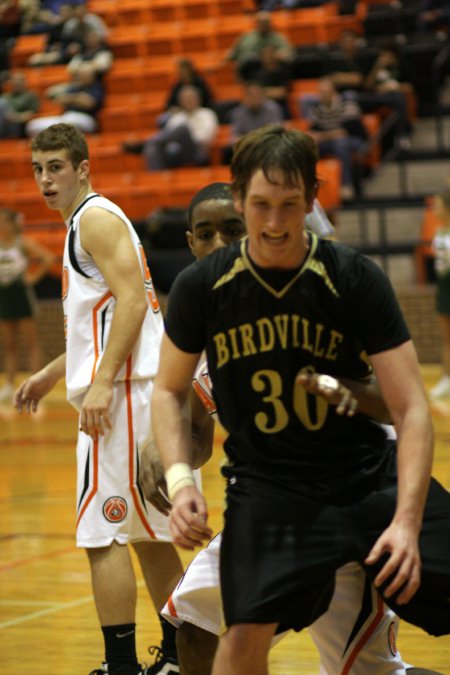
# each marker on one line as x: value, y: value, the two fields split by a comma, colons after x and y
x: 84, y: 169
x: 238, y: 202
x: 190, y: 240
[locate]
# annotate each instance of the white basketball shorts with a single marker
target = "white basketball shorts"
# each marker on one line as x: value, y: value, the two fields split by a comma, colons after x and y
x: 110, y: 505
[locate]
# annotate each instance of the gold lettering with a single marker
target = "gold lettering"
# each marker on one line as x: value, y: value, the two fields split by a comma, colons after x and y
x: 306, y: 343
x: 248, y: 345
x: 295, y: 321
x: 234, y: 345
x: 335, y: 339
x: 282, y: 323
x: 318, y: 351
x: 266, y: 335
x: 222, y: 351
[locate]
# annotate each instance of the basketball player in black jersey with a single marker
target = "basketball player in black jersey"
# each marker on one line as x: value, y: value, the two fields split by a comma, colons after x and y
x: 307, y: 490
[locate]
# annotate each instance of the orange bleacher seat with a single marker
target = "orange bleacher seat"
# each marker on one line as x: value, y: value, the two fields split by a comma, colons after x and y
x: 329, y: 173
x: 14, y: 166
x: 197, y: 36
x: 372, y: 124
x: 129, y: 41
x: 198, y: 9
x: 229, y: 29
x: 334, y: 26
x: 25, y: 46
x: 52, y: 238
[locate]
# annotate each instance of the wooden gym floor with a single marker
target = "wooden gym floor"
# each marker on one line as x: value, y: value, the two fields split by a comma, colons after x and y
x: 48, y: 624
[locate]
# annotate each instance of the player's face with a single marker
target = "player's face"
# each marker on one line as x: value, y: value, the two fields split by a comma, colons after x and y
x: 274, y: 214
x: 61, y: 185
x: 215, y: 224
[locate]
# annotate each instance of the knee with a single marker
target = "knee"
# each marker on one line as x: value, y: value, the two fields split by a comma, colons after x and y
x: 196, y: 649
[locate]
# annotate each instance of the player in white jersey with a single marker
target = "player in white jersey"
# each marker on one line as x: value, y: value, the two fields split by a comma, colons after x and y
x: 357, y: 635
x: 113, y: 328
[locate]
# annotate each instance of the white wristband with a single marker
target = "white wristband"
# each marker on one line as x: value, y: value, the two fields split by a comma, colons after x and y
x: 178, y: 475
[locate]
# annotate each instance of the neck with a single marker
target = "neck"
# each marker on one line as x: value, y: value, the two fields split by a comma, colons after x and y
x: 79, y: 198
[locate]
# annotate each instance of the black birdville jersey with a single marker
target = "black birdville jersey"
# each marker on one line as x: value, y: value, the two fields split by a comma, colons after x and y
x: 260, y: 329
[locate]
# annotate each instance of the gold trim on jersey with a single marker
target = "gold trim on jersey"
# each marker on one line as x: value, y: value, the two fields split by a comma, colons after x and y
x: 238, y: 266
x: 277, y: 294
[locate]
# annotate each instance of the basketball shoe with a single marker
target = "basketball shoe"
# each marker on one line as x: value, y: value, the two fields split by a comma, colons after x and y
x: 166, y: 663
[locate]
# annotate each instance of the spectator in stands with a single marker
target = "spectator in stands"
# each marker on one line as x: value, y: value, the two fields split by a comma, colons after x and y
x: 61, y: 43
x: 10, y: 17
x: 48, y: 16
x: 83, y: 20
x: 81, y: 100
x: 29, y: 13
x: 441, y: 248
x: 246, y: 50
x: 256, y: 110
x: 275, y: 76
x: 383, y: 86
x: 17, y: 302
x: 336, y: 125
x: 433, y: 16
x: 186, y: 136
x: 17, y: 107
x: 68, y: 38
x: 188, y: 74
x: 387, y: 85
x: 95, y: 52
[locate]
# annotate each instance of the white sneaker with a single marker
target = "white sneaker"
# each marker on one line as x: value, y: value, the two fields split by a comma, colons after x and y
x: 6, y: 392
x: 441, y: 389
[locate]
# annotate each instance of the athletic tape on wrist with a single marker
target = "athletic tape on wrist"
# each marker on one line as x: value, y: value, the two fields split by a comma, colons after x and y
x: 178, y: 475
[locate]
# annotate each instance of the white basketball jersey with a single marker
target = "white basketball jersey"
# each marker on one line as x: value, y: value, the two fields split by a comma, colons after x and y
x: 89, y: 307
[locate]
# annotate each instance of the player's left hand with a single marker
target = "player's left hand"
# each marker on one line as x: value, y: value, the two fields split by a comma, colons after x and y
x: 151, y: 478
x: 94, y: 414
x: 402, y: 568
x: 330, y: 389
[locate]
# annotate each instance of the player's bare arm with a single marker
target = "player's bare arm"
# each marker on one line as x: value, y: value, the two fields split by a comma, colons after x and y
x: 151, y: 472
x: 172, y: 430
x: 397, y: 371
x: 349, y: 396
x: 30, y: 392
x: 105, y: 237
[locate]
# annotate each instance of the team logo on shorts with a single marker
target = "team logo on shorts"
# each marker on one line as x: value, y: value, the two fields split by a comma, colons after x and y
x: 392, y: 639
x: 115, y: 509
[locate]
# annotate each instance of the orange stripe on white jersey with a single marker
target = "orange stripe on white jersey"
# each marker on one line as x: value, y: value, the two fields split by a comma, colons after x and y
x: 366, y: 636
x: 131, y: 455
x: 171, y: 607
x: 94, y: 487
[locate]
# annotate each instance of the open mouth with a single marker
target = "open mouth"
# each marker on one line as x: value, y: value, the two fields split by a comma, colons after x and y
x: 275, y: 238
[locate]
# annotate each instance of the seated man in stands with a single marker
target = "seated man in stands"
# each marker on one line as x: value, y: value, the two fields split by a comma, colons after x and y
x: 337, y: 127
x: 256, y: 110
x: 246, y: 50
x: 17, y: 107
x: 186, y: 137
x: 275, y: 76
x: 81, y: 100
x: 383, y: 86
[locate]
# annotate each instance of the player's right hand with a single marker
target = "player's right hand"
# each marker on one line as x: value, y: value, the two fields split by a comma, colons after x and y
x: 30, y: 392
x: 151, y: 478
